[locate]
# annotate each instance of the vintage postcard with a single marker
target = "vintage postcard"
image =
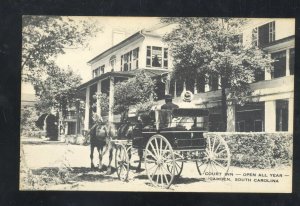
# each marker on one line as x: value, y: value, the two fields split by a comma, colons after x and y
x: 167, y: 104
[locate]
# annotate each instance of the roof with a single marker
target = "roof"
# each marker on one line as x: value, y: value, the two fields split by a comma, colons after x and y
x: 135, y: 36
x: 152, y: 73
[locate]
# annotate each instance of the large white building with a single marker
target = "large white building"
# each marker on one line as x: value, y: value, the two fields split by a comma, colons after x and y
x: 272, y: 102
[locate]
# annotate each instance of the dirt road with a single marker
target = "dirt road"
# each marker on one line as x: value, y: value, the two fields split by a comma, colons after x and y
x: 53, y: 157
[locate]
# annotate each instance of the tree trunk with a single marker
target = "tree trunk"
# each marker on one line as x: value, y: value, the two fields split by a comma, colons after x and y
x: 224, y: 106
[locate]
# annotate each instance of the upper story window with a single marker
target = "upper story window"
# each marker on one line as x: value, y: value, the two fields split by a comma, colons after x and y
x: 112, y: 62
x: 279, y: 64
x: 157, y: 57
x: 263, y: 35
x: 130, y: 60
x: 98, y: 71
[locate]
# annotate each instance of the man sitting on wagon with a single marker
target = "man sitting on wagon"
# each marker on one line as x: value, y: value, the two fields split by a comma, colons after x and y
x: 166, y: 110
x: 169, y: 104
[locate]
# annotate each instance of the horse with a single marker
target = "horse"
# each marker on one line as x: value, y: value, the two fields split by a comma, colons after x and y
x: 99, y: 139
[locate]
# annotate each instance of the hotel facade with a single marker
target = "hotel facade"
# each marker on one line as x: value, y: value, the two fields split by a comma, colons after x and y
x: 271, y: 105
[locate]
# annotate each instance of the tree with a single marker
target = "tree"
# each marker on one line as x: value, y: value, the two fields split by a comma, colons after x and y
x: 212, y: 47
x: 138, y: 90
x: 57, y: 91
x: 46, y: 37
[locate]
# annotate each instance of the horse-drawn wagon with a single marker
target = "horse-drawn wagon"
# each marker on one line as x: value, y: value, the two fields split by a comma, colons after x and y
x: 165, y: 140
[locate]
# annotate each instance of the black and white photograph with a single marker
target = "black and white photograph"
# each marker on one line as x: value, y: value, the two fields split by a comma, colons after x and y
x: 157, y: 104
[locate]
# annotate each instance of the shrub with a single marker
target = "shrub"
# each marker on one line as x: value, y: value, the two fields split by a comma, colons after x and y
x: 259, y: 149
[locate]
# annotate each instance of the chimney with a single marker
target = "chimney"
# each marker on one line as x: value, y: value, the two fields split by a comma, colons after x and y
x: 117, y: 36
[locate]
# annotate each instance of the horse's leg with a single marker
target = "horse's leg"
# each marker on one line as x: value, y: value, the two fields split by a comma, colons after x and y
x: 99, y: 148
x: 140, y: 153
x: 91, y: 156
x: 111, y: 148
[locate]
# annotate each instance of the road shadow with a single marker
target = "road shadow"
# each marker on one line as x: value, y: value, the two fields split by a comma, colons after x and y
x: 177, y: 180
x: 42, y: 142
x: 77, y: 174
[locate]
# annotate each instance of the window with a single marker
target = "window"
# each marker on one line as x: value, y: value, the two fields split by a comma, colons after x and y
x: 279, y: 64
x: 241, y: 126
x: 112, y: 62
x: 292, y: 61
x: 258, y: 125
x: 259, y: 75
x: 263, y: 35
x: 130, y: 60
x: 282, y: 115
x: 250, y: 117
x: 101, y: 71
x: 157, y: 57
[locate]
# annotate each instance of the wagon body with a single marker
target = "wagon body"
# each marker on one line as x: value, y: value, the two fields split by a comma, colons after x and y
x: 183, y: 128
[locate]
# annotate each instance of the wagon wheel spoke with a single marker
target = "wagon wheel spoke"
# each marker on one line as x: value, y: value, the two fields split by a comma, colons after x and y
x: 217, y: 163
x: 153, y: 148
x: 151, y: 154
x: 209, y: 146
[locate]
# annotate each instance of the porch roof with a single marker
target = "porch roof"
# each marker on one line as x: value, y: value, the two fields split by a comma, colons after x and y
x: 153, y: 73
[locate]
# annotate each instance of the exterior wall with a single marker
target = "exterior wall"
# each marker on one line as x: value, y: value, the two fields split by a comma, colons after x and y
x: 118, y: 53
x: 267, y: 91
x: 283, y: 28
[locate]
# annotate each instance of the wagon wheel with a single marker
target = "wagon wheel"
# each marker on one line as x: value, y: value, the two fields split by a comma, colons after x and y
x: 178, y: 166
x: 122, y: 162
x: 215, y: 160
x: 160, y: 161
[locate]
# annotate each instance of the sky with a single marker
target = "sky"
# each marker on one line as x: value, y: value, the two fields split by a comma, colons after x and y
x: 77, y: 59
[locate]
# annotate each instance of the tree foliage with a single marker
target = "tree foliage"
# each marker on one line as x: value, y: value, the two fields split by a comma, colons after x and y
x: 58, y: 90
x: 212, y: 47
x: 103, y: 101
x: 135, y: 91
x: 46, y: 37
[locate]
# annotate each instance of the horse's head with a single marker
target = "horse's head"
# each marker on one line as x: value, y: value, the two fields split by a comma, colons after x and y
x: 111, y: 129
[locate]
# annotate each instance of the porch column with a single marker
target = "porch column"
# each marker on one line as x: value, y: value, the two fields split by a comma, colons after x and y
x: 98, y: 108
x: 167, y: 84
x: 270, y: 116
x: 111, y: 99
x: 175, y: 90
x: 291, y: 115
x: 231, y: 118
x: 87, y: 109
x: 287, y: 63
x: 206, y: 87
x: 195, y: 86
x: 267, y: 75
x: 78, y: 126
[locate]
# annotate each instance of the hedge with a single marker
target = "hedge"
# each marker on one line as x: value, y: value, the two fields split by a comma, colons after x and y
x: 258, y: 149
